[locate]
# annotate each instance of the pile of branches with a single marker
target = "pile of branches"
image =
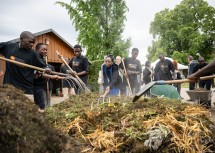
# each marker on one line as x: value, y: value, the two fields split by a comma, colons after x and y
x: 148, y: 125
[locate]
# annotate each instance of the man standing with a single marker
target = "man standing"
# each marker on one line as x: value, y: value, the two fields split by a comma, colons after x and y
x: 133, y: 67
x: 18, y: 76
x: 80, y: 66
x: 40, y: 79
x: 164, y: 69
x: 191, y: 66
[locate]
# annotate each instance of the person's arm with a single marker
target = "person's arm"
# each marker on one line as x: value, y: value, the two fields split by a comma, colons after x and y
x: 139, y: 68
x: 4, y: 48
x: 115, y: 76
x: 86, y: 68
x: 172, y: 69
x: 1, y: 73
x: 47, y: 76
x: 210, y: 68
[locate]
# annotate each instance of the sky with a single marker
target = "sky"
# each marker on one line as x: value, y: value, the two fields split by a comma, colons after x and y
x: 39, y: 15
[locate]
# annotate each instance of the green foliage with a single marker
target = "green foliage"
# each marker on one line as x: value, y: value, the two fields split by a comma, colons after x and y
x: 100, y: 24
x: 94, y: 74
x: 188, y: 29
x: 181, y: 57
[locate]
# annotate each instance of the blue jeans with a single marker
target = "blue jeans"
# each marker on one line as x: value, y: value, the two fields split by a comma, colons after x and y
x: 39, y: 97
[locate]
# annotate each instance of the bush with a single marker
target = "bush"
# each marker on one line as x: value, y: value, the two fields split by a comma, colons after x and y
x: 94, y: 74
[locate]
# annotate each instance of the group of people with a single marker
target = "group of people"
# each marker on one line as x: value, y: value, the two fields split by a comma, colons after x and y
x: 117, y: 76
x: 34, y: 82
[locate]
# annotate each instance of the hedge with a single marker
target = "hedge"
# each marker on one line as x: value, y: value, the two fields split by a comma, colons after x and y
x: 94, y: 74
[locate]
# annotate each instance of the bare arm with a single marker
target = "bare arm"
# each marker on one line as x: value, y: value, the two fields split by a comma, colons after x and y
x: 210, y: 68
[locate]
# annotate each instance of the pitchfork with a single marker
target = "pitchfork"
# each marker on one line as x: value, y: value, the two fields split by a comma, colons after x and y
x: 82, y: 85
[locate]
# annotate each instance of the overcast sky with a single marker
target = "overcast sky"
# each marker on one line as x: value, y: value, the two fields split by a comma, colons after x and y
x: 38, y: 15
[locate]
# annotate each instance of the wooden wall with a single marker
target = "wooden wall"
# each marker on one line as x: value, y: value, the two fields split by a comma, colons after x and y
x: 55, y: 44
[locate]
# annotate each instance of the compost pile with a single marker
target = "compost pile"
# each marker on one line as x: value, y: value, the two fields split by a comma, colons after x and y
x: 24, y: 130
x: 148, y: 125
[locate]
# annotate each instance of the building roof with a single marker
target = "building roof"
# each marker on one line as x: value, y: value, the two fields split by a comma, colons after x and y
x: 44, y: 32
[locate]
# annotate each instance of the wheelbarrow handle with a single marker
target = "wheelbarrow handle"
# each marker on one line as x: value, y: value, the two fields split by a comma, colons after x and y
x: 184, y: 80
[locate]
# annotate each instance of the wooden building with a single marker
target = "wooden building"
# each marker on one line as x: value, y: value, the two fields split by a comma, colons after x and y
x: 55, y: 43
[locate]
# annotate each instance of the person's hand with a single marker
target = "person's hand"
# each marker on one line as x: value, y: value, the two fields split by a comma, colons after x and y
x: 75, y: 73
x: 107, y: 89
x: 1, y: 73
x: 47, y: 70
x: 106, y: 92
x: 193, y: 77
x: 56, y: 77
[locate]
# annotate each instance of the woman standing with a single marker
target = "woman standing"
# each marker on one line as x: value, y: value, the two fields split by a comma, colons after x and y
x: 177, y: 76
x: 112, y: 80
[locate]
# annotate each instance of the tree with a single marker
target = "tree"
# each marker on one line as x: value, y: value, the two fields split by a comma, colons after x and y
x: 188, y: 29
x: 100, y: 24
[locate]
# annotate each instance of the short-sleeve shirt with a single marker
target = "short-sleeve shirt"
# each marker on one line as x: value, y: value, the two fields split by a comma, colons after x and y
x: 80, y: 64
x: 132, y: 65
x: 163, y: 70
x: 18, y: 76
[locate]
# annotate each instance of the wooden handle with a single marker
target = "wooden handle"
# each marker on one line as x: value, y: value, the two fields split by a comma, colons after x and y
x: 30, y: 66
x: 127, y: 79
x: 188, y: 80
x: 61, y: 57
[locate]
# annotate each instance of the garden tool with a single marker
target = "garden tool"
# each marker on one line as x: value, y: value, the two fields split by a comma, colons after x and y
x: 126, y: 75
x: 61, y: 75
x: 161, y: 82
x: 81, y: 83
x: 47, y: 86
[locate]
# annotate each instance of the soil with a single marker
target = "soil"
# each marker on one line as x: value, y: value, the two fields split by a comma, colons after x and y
x: 85, y: 123
x: 24, y: 130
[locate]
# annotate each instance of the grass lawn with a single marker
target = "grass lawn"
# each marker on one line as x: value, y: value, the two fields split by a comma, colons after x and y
x: 185, y: 85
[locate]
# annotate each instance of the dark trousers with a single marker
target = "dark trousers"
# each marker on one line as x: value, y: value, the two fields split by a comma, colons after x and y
x: 205, y: 83
x: 191, y: 86
x: 39, y: 97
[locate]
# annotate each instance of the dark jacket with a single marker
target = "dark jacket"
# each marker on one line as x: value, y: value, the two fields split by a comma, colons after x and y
x: 111, y: 76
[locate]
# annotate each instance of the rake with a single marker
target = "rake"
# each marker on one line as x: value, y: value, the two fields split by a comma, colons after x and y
x: 81, y: 83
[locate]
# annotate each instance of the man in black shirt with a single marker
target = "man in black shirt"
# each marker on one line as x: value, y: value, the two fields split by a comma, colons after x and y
x: 163, y: 69
x: 21, y: 77
x: 199, y: 66
x: 133, y: 67
x: 80, y: 66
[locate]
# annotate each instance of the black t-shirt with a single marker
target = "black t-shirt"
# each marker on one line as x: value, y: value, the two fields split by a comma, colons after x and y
x: 80, y: 64
x: 163, y: 70
x: 200, y: 66
x: 20, y: 77
x: 147, y: 75
x: 39, y: 81
x: 132, y: 65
